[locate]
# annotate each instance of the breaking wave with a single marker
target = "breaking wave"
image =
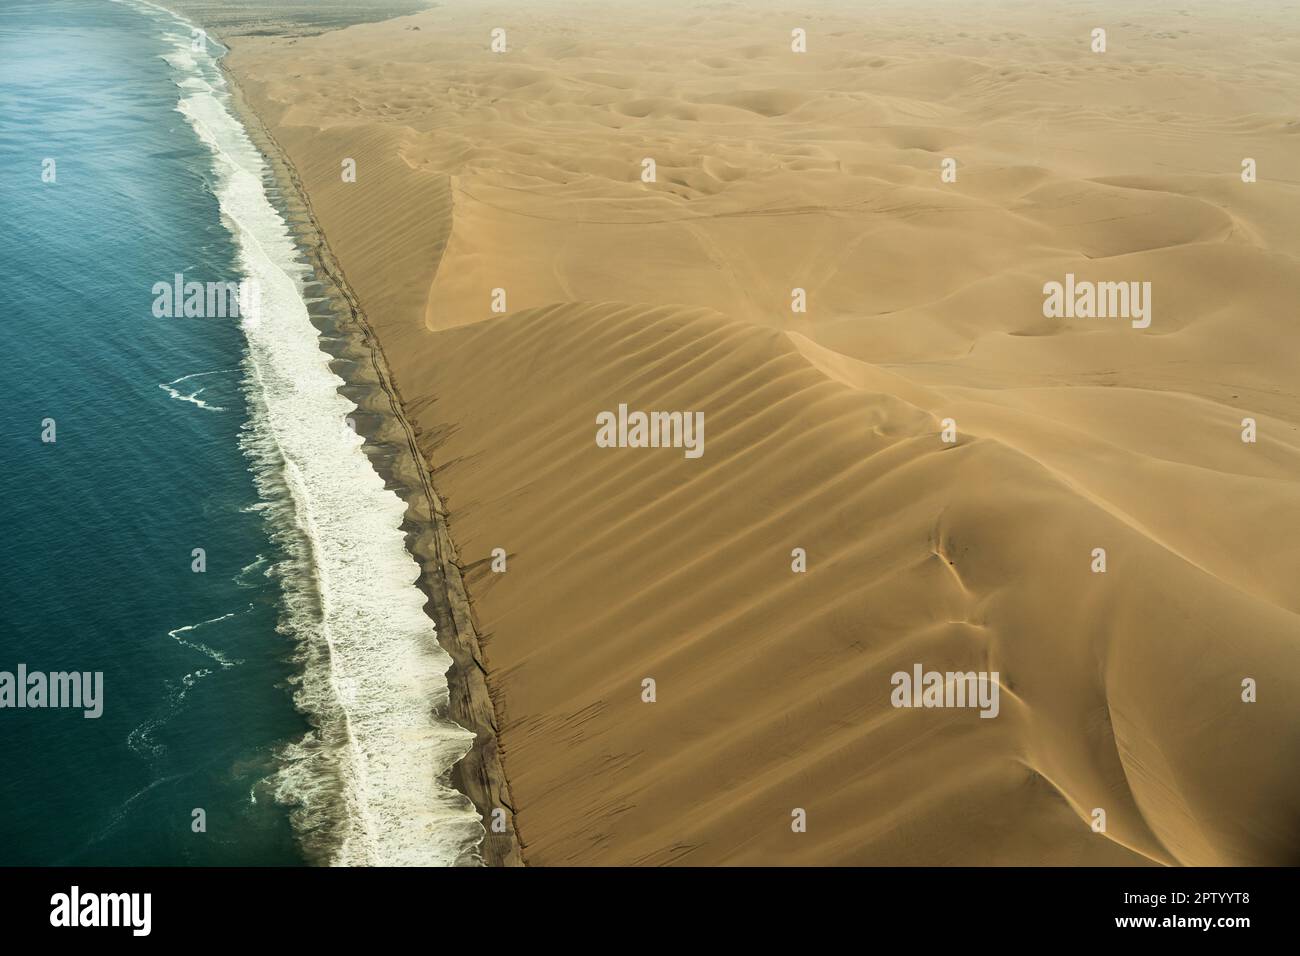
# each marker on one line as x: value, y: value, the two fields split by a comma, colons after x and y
x: 369, y: 784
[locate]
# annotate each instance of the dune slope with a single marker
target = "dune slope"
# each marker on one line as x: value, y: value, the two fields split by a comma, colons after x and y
x: 515, y: 180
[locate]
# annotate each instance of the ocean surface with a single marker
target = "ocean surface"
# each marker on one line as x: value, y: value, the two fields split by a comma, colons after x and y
x: 290, y: 690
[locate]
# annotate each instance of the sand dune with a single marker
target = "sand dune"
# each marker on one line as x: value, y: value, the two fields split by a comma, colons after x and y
x: 1121, y: 691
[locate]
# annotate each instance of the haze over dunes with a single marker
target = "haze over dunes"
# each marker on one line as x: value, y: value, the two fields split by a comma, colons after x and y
x: 1121, y: 690
x: 233, y: 18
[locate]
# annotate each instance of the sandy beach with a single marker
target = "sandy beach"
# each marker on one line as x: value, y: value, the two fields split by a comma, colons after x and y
x: 841, y: 259
x: 391, y: 447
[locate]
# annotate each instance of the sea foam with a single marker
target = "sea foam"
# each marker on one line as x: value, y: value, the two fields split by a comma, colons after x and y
x: 369, y: 783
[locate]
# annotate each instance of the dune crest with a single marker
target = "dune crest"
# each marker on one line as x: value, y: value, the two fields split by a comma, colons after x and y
x: 1121, y: 691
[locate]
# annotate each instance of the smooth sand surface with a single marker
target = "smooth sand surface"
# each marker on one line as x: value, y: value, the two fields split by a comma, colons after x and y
x: 775, y: 170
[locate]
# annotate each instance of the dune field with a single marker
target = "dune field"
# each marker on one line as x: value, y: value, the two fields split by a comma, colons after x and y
x: 948, y: 456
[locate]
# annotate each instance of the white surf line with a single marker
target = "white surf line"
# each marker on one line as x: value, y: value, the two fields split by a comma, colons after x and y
x: 374, y: 673
x: 186, y: 378
x: 193, y: 397
x: 261, y: 562
x: 199, y: 646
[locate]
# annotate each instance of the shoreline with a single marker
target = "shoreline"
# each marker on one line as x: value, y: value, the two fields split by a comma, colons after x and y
x: 391, y: 446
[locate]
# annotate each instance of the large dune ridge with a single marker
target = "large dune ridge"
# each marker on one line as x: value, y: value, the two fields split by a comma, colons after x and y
x: 1120, y: 691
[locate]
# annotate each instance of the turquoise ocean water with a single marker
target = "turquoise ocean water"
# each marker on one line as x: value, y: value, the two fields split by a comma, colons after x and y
x: 292, y: 690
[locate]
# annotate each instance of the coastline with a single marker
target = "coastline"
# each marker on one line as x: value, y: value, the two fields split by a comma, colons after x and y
x: 887, y: 405
x: 359, y: 360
